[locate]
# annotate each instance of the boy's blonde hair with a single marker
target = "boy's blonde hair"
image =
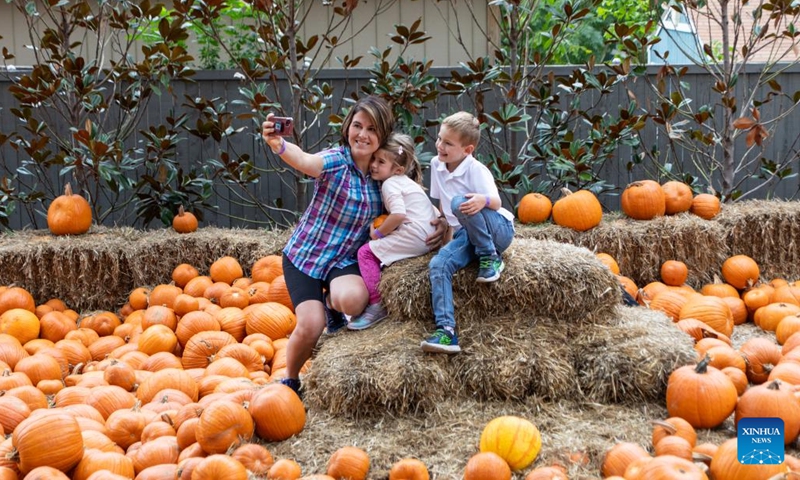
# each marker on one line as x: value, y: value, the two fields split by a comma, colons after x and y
x: 401, y: 146
x: 466, y: 126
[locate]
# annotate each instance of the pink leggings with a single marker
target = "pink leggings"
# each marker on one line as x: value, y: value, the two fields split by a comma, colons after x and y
x: 370, y: 267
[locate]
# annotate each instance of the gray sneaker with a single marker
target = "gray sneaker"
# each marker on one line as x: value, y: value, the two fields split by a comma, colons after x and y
x: 372, y: 314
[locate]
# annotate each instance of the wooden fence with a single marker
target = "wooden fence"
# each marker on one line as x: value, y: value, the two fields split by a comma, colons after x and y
x: 278, y: 188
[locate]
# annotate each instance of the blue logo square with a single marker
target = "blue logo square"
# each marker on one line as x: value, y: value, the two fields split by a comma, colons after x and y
x: 760, y: 441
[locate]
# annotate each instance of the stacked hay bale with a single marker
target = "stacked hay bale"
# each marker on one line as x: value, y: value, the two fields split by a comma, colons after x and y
x: 640, y: 247
x: 99, y: 269
x: 532, y: 333
x: 766, y: 231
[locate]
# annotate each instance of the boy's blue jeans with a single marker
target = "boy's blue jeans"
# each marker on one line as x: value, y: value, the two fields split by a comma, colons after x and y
x: 482, y: 234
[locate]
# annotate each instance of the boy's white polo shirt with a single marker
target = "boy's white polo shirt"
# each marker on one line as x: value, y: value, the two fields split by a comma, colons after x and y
x: 471, y: 176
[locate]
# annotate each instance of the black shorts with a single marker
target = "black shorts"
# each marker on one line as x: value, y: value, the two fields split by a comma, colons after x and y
x: 302, y: 287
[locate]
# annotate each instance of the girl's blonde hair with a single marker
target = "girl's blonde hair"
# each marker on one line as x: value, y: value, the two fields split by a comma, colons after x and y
x: 402, y: 147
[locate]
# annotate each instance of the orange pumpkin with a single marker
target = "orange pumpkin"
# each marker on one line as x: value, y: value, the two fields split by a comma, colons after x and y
x: 487, y: 466
x: 225, y: 269
x: 69, y: 214
x: 409, y: 469
x: 773, y: 399
x: 266, y: 269
x: 534, y: 208
x: 579, y: 211
x: 726, y: 464
x: 224, y: 425
x: 700, y: 394
x: 278, y: 412
x: 643, y: 200
x: 677, y: 197
x: 270, y: 318
x: 740, y: 271
x: 349, y: 462
x: 705, y: 206
x: 219, y: 466
x: 184, y: 222
x: 620, y: 456
x: 49, y: 439
x: 379, y: 220
x: 21, y: 324
x: 674, y: 273
x: 285, y: 468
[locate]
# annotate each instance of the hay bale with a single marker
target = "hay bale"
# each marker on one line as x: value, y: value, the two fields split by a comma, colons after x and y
x: 97, y: 270
x: 547, y: 280
x: 380, y: 370
x: 631, y: 360
x: 640, y: 247
x: 766, y: 231
x: 508, y: 359
x: 448, y: 436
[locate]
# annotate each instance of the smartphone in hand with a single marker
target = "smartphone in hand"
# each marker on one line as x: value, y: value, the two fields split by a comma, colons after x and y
x: 284, y: 126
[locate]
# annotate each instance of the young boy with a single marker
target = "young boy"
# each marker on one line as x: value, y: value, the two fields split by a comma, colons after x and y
x: 482, y: 228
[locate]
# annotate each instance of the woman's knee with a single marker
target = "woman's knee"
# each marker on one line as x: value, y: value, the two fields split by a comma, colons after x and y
x: 350, y: 298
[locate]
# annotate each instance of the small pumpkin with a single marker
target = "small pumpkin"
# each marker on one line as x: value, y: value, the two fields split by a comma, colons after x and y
x: 225, y: 269
x: 487, y: 466
x: 69, y: 214
x: 620, y: 456
x: 579, y: 211
x: 409, y: 469
x: 379, y: 220
x: 643, y: 200
x: 349, y: 462
x: 705, y: 206
x: 725, y: 464
x: 534, y: 208
x: 674, y: 273
x: 184, y: 222
x: 677, y: 197
x: 285, y: 468
x: 266, y: 269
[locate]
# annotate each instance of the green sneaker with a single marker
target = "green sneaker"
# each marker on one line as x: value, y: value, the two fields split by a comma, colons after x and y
x: 441, y: 341
x: 490, y: 268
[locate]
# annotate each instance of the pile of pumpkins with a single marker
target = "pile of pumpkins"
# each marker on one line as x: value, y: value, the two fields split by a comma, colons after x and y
x: 756, y: 380
x: 641, y: 200
x: 179, y: 383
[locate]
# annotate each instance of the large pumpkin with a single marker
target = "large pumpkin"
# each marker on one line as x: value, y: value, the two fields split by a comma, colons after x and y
x: 51, y: 439
x: 700, y: 394
x: 579, y: 211
x: 643, y: 200
x: 516, y: 440
x: 278, y: 412
x: 725, y: 464
x: 773, y: 399
x: 534, y: 208
x: 69, y: 214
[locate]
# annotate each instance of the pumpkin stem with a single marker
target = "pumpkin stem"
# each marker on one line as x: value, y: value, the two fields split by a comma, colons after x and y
x: 703, y: 458
x: 78, y: 369
x: 181, y: 211
x: 670, y: 428
x: 566, y: 191
x: 702, y: 365
x: 167, y: 419
x: 68, y: 189
x: 774, y: 385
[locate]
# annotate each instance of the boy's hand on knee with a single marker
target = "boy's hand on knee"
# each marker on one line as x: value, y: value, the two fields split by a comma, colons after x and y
x: 475, y: 204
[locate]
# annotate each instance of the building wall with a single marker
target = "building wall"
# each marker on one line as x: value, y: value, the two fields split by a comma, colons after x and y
x: 372, y: 22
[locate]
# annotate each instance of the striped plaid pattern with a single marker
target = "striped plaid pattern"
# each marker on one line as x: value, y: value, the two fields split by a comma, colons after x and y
x: 336, y: 223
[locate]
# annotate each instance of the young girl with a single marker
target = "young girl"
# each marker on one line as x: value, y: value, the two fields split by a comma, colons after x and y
x: 402, y: 234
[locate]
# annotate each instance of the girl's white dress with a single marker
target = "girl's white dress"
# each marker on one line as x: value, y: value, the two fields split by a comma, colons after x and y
x: 403, y: 195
